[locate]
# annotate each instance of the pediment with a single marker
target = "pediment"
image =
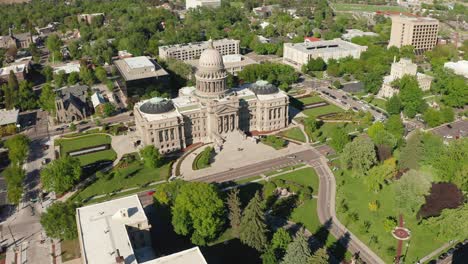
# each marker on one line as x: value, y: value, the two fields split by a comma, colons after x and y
x: 226, y: 109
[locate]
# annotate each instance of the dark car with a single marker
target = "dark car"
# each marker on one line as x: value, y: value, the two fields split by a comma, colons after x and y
x: 458, y: 245
x: 59, y: 129
x: 332, y: 96
x: 450, y: 251
x: 443, y: 255
x: 344, y: 97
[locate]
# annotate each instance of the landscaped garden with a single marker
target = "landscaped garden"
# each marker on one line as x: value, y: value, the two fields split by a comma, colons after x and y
x: 130, y: 172
x: 274, y: 142
x: 294, y: 133
x: 81, y: 142
x: 203, y: 159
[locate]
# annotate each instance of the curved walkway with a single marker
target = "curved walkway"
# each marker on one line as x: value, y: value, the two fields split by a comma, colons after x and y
x: 326, y: 212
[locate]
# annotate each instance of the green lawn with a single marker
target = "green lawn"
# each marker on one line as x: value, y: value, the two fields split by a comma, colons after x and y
x: 135, y: 175
x: 249, y: 179
x: 294, y: 133
x: 305, y: 176
x: 97, y: 156
x: 67, y: 145
x: 311, y: 100
x: 70, y: 249
x: 306, y: 214
x: 367, y: 8
x: 323, y: 110
x: 355, y: 193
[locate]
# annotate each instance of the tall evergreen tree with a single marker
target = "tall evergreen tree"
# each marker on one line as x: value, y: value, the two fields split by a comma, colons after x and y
x: 319, y: 257
x: 235, y: 212
x: 10, y: 90
x: 298, y: 251
x: 253, y: 229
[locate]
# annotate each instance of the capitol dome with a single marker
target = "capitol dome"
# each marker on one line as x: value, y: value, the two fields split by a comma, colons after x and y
x: 263, y: 87
x: 157, y: 105
x: 211, y: 58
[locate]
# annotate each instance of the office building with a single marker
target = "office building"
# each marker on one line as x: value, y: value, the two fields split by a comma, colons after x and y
x: 202, y: 3
x: 192, y: 51
x: 298, y: 54
x: 420, y: 32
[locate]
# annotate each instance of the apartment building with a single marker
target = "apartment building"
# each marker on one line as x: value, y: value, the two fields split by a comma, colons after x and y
x: 420, y: 32
x: 192, y: 51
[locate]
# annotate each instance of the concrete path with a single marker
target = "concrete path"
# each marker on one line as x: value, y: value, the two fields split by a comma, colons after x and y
x: 437, y: 251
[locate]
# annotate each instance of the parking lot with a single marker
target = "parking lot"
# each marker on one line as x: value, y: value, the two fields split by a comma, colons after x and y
x: 457, y: 129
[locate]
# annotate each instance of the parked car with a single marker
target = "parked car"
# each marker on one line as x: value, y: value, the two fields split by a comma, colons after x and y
x: 344, y: 97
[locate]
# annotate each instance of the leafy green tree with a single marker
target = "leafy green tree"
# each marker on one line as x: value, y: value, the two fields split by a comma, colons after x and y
x: 359, y: 155
x: 61, y: 174
x: 14, y: 177
x: 59, y: 79
x: 452, y: 163
x: 10, y: 91
x: 410, y: 190
x: 235, y: 211
x: 314, y: 65
x: 198, y: 211
x: 26, y: 97
x: 393, y: 105
x: 269, y: 257
x: 47, y: 99
x: 319, y: 257
x: 101, y: 74
x: 53, y: 43
x: 151, y: 156
x: 411, y: 153
x: 339, y: 139
x: 73, y: 78
x: 377, y: 175
x: 48, y: 73
x: 18, y: 148
x: 451, y: 223
x: 108, y: 109
x: 72, y: 127
x: 395, y: 126
x: 166, y: 193
x: 389, y: 223
x: 86, y: 76
x: 298, y: 251
x: 253, y: 230
x: 280, y: 241
x: 59, y: 221
x: 411, y: 96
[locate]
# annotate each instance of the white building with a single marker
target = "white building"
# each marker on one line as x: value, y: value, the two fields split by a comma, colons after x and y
x: 400, y: 69
x: 8, y: 117
x: 459, y: 67
x: 67, y: 68
x: 203, y: 3
x: 118, y: 231
x: 193, y: 51
x: 352, y: 33
x: 233, y: 63
x: 298, y: 54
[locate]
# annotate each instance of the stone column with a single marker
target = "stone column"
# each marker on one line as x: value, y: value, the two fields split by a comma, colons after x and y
x: 220, y: 124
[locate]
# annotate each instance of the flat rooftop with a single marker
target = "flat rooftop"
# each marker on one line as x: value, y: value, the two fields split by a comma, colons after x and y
x: 202, y: 44
x: 335, y: 45
x: 8, y: 116
x: 138, y: 62
x: 127, y: 67
x: 189, y: 256
x: 102, y: 230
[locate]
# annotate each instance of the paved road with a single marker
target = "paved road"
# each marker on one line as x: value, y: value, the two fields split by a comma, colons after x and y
x: 262, y: 167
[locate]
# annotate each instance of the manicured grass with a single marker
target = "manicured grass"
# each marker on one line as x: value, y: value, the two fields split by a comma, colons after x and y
x: 67, y: 145
x: 274, y: 142
x: 367, y: 8
x: 379, y: 103
x: 70, y: 249
x: 311, y: 100
x: 323, y: 110
x: 136, y: 174
x: 357, y: 197
x: 104, y: 155
x: 306, y: 214
x: 306, y: 177
x: 294, y: 133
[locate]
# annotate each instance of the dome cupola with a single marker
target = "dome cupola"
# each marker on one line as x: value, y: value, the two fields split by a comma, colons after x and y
x: 157, y: 105
x: 263, y: 87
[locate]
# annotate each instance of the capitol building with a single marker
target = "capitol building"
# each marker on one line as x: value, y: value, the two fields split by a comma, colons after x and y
x: 208, y: 112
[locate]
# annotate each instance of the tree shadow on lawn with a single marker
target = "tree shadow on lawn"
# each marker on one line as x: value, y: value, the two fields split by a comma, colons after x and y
x: 165, y: 242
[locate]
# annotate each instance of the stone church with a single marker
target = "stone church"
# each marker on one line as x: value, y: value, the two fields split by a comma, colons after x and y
x: 210, y: 110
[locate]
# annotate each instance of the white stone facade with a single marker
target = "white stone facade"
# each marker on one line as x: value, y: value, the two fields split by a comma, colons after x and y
x: 210, y: 111
x: 400, y: 69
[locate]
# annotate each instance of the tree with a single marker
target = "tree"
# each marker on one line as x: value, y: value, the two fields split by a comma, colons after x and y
x: 72, y: 127
x: 320, y: 257
x: 108, y: 109
x: 198, y: 211
x: 451, y: 223
x: 26, y: 97
x: 47, y: 99
x: 10, y: 91
x: 393, y: 105
x: 410, y: 190
x: 359, y: 154
x: 411, y: 96
x: 377, y: 175
x: 73, y: 78
x: 389, y: 223
x: 86, y: 75
x: 452, y: 163
x: 253, y: 229
x: 411, y: 153
x: 101, y: 74
x: 269, y: 257
x: 48, y: 73
x: 61, y: 174
x: 18, y: 148
x: 235, y: 211
x: 395, y: 126
x: 280, y: 241
x: 166, y: 193
x: 59, y: 221
x: 339, y: 139
x: 14, y: 177
x: 151, y: 156
x: 314, y: 65
x: 59, y: 79
x: 298, y: 251
x: 53, y: 43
